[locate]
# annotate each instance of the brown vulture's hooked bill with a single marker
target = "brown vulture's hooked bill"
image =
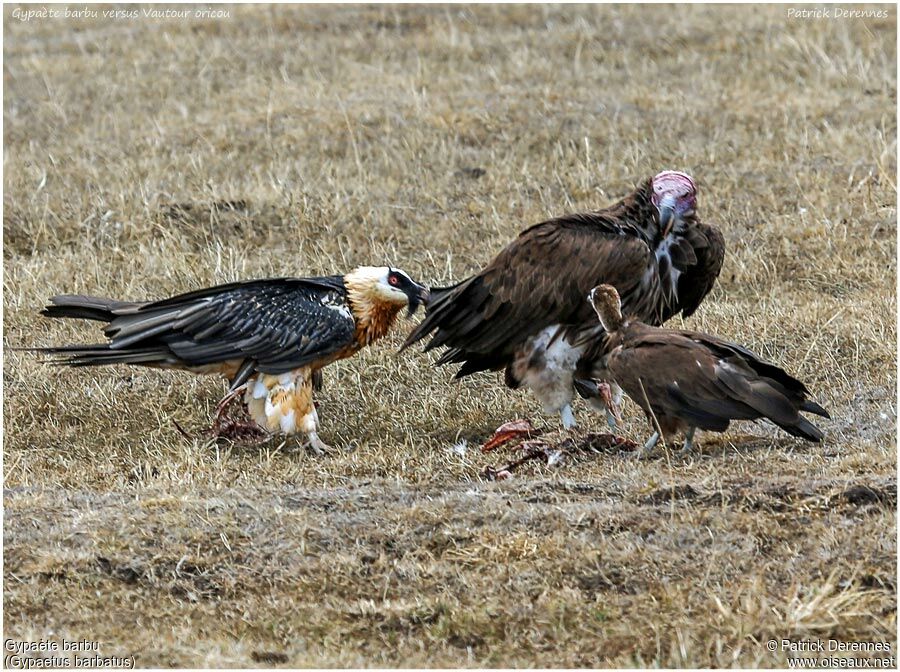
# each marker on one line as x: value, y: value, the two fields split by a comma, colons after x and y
x: 269, y: 337
x: 525, y: 311
x: 684, y: 380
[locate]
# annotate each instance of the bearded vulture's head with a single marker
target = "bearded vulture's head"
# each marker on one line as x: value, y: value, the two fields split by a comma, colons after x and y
x: 388, y: 285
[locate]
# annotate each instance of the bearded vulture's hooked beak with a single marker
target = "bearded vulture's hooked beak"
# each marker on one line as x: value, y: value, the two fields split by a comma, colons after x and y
x: 417, y: 297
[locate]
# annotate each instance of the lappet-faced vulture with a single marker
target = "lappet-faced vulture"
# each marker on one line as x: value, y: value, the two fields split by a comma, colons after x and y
x: 525, y: 311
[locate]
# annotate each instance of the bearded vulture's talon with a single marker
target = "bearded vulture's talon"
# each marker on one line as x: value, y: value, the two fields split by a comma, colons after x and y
x: 270, y: 338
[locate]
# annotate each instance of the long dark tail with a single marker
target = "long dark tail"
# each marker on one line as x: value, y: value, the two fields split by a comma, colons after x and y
x: 783, y: 386
x: 812, y: 407
x: 768, y: 389
x: 100, y: 354
x: 101, y: 310
x: 803, y: 427
x: 88, y: 307
x: 772, y: 393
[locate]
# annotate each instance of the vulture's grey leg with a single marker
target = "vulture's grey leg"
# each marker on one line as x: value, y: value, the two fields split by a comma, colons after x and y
x: 568, y: 417
x: 647, y: 447
x: 284, y: 403
x: 688, y: 441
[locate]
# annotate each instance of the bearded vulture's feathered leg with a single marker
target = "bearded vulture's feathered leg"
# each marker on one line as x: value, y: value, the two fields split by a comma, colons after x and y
x: 284, y: 403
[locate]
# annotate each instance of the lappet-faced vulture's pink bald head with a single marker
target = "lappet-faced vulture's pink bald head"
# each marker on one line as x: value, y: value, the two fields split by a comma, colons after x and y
x: 674, y: 195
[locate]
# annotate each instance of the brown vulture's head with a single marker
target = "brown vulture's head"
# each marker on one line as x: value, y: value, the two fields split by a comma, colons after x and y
x: 608, y: 306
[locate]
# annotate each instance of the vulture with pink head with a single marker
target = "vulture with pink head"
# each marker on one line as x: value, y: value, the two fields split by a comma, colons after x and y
x: 684, y: 380
x: 525, y: 312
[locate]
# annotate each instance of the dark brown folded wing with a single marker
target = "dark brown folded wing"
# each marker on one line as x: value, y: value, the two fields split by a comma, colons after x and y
x: 706, y: 381
x: 540, y: 279
x: 700, y: 262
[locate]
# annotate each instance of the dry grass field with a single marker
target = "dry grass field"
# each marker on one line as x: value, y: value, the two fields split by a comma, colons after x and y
x: 145, y: 157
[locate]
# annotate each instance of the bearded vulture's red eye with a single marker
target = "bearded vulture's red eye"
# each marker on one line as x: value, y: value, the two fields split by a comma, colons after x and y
x: 393, y: 279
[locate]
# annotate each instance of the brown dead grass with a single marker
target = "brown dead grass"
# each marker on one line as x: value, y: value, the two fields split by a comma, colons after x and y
x: 427, y: 137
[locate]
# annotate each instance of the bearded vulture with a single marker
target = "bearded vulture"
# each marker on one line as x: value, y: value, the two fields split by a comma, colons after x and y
x: 270, y: 337
x: 525, y: 311
x: 684, y: 379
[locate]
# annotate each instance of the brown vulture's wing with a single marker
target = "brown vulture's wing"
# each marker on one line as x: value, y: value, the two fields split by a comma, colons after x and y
x: 706, y: 382
x: 675, y: 375
x: 540, y: 279
x: 774, y: 376
x: 699, y: 259
x: 278, y: 324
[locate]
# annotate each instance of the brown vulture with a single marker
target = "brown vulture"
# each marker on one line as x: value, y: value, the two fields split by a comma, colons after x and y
x: 270, y: 337
x: 684, y: 380
x: 525, y: 311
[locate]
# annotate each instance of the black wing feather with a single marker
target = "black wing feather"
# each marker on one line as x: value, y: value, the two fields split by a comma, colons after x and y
x: 699, y: 256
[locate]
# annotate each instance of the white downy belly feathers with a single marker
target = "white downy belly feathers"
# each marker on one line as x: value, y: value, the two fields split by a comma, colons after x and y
x: 282, y: 403
x: 546, y: 365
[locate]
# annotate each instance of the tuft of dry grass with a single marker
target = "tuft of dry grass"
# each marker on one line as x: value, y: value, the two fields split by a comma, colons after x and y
x: 147, y: 157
